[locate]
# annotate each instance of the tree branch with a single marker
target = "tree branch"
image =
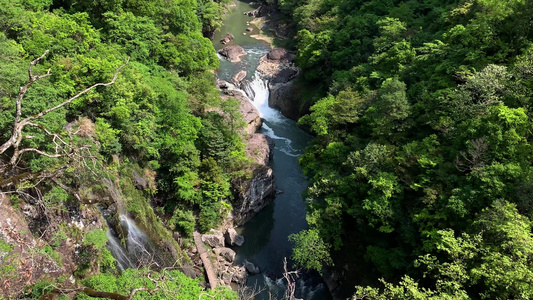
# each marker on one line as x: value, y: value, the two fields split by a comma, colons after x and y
x: 18, y: 125
x: 44, y: 112
x: 31, y: 80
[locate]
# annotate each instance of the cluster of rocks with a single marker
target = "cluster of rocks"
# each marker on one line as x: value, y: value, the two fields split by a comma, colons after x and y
x: 223, y: 257
x: 261, y: 11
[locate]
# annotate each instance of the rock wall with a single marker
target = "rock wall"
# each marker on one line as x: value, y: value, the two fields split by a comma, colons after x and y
x: 35, y: 245
x: 254, y: 193
x: 279, y: 69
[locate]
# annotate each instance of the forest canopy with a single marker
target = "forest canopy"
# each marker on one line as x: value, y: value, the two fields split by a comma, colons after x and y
x: 153, y: 111
x: 420, y: 171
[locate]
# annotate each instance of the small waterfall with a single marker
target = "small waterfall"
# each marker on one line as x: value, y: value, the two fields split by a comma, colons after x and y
x: 139, y: 246
x: 138, y: 251
x: 119, y: 253
x: 257, y: 91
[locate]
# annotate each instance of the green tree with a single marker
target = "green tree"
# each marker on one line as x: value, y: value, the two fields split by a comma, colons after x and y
x: 310, y: 251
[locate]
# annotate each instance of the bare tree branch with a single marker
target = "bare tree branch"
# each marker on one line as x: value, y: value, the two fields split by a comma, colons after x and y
x: 44, y: 112
x: 31, y: 80
x: 18, y: 125
x: 290, y: 277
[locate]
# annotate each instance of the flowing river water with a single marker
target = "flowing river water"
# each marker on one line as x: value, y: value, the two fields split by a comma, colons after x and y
x: 266, y: 235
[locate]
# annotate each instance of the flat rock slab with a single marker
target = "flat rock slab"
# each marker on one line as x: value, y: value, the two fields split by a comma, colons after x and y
x: 237, y: 78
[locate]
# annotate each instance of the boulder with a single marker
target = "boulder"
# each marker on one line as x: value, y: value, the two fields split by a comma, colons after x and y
x: 283, y: 97
x: 251, y: 268
x: 280, y: 69
x: 226, y: 253
x: 232, y: 53
x: 233, y: 274
x: 228, y: 38
x: 237, y: 78
x: 222, y: 84
x: 249, y: 29
x: 239, y: 275
x: 277, y: 67
x: 232, y: 238
x: 140, y: 181
x: 214, y: 239
x: 280, y: 54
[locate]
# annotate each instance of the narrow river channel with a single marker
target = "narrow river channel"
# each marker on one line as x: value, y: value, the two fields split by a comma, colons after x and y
x: 266, y: 236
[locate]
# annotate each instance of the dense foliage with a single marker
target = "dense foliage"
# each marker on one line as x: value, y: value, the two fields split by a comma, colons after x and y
x: 421, y: 166
x: 156, y: 112
x: 162, y: 119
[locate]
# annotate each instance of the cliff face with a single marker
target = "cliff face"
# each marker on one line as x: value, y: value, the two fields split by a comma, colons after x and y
x: 254, y: 193
x: 47, y: 239
x: 37, y: 245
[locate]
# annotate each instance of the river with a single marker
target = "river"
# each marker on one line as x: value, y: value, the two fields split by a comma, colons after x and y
x: 266, y: 235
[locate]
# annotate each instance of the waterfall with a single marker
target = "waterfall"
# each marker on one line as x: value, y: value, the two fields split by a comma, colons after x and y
x: 138, y: 251
x: 139, y: 245
x: 257, y: 91
x: 119, y: 253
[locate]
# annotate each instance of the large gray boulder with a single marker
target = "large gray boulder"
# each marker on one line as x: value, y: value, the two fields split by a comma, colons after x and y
x: 226, y: 253
x: 279, y: 69
x: 232, y: 238
x: 228, y: 38
x: 214, y: 239
x: 251, y: 268
x: 280, y: 54
x: 232, y: 53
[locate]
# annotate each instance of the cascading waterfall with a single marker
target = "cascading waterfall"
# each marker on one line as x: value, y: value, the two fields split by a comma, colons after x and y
x: 258, y: 93
x: 138, y: 249
x: 119, y: 253
x: 138, y: 244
